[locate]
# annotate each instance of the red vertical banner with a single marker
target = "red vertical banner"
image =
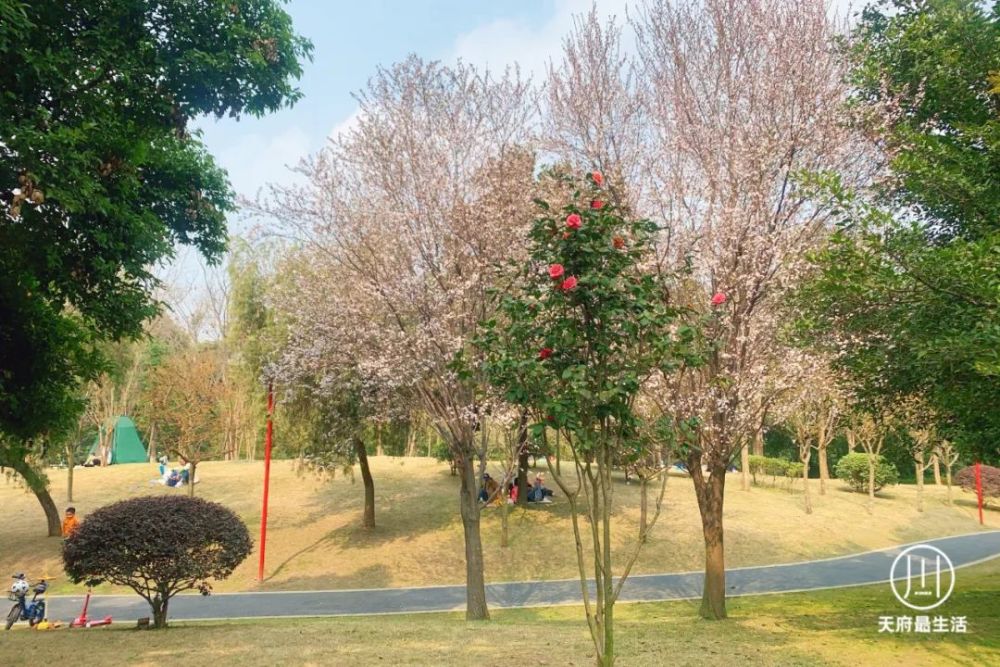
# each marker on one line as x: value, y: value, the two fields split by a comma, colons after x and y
x: 979, y: 489
x: 267, y: 481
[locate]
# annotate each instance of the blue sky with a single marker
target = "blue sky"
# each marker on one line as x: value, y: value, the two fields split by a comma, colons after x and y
x: 351, y: 39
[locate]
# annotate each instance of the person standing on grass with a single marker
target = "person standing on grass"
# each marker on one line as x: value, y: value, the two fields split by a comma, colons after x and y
x: 70, y: 524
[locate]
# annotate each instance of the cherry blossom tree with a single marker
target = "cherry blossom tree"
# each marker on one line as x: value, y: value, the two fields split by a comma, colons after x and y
x: 412, y: 210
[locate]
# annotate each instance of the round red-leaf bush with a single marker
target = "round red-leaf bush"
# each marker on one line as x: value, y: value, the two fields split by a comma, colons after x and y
x: 158, y: 546
x: 573, y: 221
x: 556, y: 271
x: 598, y: 178
x: 569, y: 283
x: 989, y: 477
x: 597, y: 204
x: 544, y: 353
x: 718, y: 299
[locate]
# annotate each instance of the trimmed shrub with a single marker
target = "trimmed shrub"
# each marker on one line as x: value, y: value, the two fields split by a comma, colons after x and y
x: 771, y: 467
x: 775, y: 467
x: 794, y: 470
x: 158, y: 546
x: 756, y: 466
x: 966, y: 478
x: 853, y: 469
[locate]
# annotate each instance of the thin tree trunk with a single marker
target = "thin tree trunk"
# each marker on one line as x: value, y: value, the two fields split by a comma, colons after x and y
x: 936, y: 467
x: 191, y: 479
x: 805, y: 481
x: 824, y: 469
x: 871, y: 484
x: 378, y: 439
x: 710, y: 493
x: 522, y: 461
x: 947, y: 472
x: 39, y: 487
x: 70, y: 464
x: 368, y: 521
x: 745, y: 467
x: 504, y: 523
x: 152, y: 442
x: 758, y: 443
x: 920, y: 467
x: 643, y: 505
x: 475, y: 583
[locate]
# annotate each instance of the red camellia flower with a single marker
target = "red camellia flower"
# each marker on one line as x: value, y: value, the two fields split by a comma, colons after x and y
x: 597, y: 204
x: 565, y: 235
x: 718, y: 299
x: 618, y: 242
x: 569, y: 283
x: 598, y: 178
x: 555, y: 271
x: 573, y: 221
x: 544, y: 353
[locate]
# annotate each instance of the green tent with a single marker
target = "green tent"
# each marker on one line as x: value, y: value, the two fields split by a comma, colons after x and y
x: 126, y: 445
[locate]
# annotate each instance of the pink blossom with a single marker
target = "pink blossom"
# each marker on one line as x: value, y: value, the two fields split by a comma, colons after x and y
x: 568, y: 284
x: 556, y: 271
x: 544, y: 353
x: 573, y: 221
x: 598, y: 178
x: 718, y: 299
x: 597, y: 204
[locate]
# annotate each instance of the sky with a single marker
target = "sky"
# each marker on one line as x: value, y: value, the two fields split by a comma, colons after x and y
x: 350, y: 41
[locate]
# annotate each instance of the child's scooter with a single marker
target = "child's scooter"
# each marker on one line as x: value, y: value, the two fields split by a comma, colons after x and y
x: 82, y: 621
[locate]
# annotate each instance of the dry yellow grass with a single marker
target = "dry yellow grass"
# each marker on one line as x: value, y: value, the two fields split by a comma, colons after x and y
x: 315, y: 541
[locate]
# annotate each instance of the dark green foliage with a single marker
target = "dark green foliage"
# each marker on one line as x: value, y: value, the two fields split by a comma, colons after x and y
x: 158, y: 546
x: 912, y: 277
x: 100, y: 174
x: 853, y: 469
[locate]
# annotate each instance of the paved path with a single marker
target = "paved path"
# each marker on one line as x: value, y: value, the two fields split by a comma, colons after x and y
x: 865, y: 568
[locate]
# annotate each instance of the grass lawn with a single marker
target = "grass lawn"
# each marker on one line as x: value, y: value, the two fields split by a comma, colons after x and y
x: 836, y: 627
x: 315, y: 541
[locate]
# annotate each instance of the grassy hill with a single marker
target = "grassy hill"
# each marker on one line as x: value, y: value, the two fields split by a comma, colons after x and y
x: 315, y: 540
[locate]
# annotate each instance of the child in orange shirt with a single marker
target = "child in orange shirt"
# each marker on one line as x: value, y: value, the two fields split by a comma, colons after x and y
x: 70, y: 523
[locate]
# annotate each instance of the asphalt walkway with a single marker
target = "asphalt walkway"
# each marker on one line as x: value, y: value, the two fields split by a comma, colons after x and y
x: 864, y: 568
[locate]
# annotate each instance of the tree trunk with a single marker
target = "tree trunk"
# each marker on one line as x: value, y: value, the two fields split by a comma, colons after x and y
x: 159, y: 606
x: 920, y: 467
x: 191, y: 479
x: 378, y: 439
x: 710, y: 493
x: 871, y: 485
x: 475, y: 584
x: 39, y: 487
x: 522, y: 461
x: 745, y: 467
x: 947, y: 472
x: 504, y: 523
x: 824, y: 469
x: 643, y: 505
x: 758, y: 443
x: 805, y: 482
x: 936, y: 463
x: 366, y: 476
x: 70, y: 464
x: 152, y: 442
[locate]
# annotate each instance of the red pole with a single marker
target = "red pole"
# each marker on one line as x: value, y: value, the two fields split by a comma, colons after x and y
x: 267, y: 481
x: 979, y: 489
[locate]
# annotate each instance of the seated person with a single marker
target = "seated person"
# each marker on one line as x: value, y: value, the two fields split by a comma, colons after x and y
x: 538, y: 493
x: 490, y: 490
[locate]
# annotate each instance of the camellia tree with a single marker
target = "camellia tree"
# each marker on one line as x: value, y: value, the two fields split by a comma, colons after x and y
x: 582, y: 326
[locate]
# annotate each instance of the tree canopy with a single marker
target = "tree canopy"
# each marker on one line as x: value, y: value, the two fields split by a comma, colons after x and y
x: 100, y: 173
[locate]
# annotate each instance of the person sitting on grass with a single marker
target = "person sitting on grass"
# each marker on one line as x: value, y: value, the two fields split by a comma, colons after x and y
x: 70, y: 523
x: 539, y: 493
x: 490, y: 491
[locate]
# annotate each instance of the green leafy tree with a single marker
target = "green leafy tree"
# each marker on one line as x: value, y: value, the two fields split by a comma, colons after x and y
x: 100, y: 174
x: 579, y: 332
x: 908, y: 289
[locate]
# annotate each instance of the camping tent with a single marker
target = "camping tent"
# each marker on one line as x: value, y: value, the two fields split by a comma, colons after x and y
x: 126, y: 445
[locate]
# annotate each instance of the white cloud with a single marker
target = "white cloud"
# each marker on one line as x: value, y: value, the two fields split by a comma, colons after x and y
x: 255, y: 160
x: 504, y: 42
